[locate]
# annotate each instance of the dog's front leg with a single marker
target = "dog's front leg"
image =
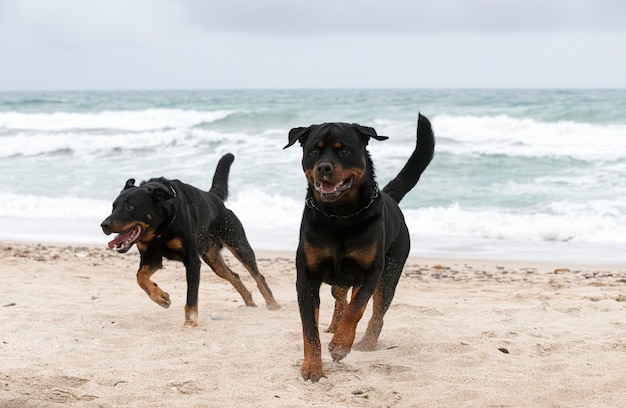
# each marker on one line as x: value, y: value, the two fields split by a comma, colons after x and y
x: 143, y: 279
x: 309, y: 303
x: 345, y: 332
x: 192, y: 267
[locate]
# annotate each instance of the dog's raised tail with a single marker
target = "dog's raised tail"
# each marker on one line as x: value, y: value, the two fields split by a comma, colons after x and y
x: 220, y: 178
x: 417, y: 163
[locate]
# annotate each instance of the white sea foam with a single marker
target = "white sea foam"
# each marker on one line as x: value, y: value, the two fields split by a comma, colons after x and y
x: 88, y: 144
x: 503, y: 135
x: 571, y: 223
x: 467, y: 136
x: 167, y: 141
x: 129, y: 120
x: 39, y: 133
x: 42, y: 207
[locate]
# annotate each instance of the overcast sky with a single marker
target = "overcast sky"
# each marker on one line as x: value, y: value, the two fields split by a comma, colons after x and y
x: 208, y: 44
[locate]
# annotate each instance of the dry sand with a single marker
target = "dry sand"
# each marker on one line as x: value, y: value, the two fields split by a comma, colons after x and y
x: 75, y: 328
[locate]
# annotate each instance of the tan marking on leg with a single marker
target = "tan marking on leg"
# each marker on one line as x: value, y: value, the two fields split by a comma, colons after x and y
x: 311, y: 368
x: 214, y: 259
x: 191, y: 316
x: 375, y: 325
x: 154, y: 292
x: 341, y: 301
x: 341, y: 342
x: 270, y: 302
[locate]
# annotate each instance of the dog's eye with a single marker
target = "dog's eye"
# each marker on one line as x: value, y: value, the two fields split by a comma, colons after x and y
x: 129, y: 206
x: 314, y: 151
x: 344, y: 151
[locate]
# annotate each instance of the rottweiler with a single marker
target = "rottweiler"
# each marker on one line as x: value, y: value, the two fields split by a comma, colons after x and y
x: 171, y: 219
x: 352, y: 235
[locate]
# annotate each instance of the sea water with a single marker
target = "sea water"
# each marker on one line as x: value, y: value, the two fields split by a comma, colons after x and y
x: 519, y: 174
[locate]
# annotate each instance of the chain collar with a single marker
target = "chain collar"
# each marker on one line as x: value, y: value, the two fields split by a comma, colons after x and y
x: 310, y: 202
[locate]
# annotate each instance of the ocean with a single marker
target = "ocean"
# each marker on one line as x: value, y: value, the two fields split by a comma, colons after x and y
x: 518, y: 174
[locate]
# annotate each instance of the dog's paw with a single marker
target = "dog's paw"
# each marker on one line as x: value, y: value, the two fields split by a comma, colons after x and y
x: 191, y: 316
x: 191, y: 322
x: 338, y: 351
x: 163, y: 300
x: 249, y: 302
x: 312, y: 370
x: 273, y: 306
x: 365, y: 345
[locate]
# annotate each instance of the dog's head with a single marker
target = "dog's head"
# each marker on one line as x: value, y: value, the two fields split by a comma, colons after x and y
x: 137, y: 213
x: 335, y: 159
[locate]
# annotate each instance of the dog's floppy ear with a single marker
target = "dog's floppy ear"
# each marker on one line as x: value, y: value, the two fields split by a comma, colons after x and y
x: 129, y: 183
x: 162, y: 192
x: 369, y: 132
x: 297, y: 134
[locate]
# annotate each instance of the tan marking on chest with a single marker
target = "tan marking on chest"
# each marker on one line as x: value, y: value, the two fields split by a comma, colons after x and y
x: 315, y: 255
x: 175, y: 244
x: 364, y: 255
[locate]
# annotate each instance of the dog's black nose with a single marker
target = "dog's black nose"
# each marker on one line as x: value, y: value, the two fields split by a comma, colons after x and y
x: 324, y: 168
x: 106, y: 226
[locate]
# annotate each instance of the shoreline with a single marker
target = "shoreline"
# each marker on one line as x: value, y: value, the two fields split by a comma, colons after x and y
x: 62, y: 232
x: 422, y: 268
x: 456, y: 261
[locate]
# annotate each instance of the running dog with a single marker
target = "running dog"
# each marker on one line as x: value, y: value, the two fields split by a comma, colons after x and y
x: 352, y: 234
x: 171, y: 219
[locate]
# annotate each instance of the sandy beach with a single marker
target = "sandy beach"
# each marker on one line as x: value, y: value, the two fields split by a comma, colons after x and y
x: 75, y: 328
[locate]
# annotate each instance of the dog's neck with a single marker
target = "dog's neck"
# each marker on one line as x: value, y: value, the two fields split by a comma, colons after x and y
x: 169, y: 220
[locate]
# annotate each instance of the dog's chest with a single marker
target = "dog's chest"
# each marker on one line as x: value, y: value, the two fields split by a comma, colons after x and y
x: 334, y: 264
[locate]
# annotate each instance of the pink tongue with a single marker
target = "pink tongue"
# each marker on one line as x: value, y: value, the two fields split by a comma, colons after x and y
x: 328, y: 188
x: 120, y: 238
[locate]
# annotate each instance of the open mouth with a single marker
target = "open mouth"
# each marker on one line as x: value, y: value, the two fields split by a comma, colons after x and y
x: 125, y: 240
x: 331, y: 191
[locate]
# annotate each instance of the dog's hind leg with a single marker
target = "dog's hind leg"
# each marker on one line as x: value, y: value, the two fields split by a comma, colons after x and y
x: 235, y: 240
x: 341, y: 301
x: 214, y: 259
x: 383, y: 295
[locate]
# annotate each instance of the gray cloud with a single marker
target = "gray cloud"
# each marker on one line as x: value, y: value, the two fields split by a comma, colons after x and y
x: 139, y: 44
x: 326, y: 17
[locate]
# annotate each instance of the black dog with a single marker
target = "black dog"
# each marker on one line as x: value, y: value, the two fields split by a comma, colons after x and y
x: 352, y: 235
x: 171, y: 219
